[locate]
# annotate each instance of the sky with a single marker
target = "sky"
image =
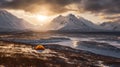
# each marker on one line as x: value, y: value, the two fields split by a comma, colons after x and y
x: 97, y: 11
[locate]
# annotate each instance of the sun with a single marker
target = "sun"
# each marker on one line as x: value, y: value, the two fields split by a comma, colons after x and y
x: 42, y: 18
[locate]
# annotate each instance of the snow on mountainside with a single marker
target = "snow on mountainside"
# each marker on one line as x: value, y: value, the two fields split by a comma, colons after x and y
x: 114, y: 26
x: 9, y: 22
x: 73, y: 23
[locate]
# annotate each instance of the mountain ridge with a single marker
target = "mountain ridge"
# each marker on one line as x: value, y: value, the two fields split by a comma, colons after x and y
x: 9, y: 22
x: 74, y: 23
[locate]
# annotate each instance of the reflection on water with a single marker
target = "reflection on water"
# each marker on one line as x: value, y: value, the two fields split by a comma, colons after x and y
x: 75, y: 43
x: 100, y: 44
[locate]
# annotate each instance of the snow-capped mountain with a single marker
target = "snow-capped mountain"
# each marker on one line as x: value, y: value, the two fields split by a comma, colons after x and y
x: 114, y: 26
x: 9, y: 22
x: 72, y: 23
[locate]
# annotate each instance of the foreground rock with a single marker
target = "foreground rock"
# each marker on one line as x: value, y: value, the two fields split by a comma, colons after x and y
x: 24, y: 55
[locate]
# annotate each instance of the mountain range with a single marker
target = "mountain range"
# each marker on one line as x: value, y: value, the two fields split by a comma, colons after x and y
x: 69, y: 23
x: 72, y: 23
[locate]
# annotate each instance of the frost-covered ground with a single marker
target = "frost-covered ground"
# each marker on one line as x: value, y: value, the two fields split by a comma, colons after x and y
x: 69, y: 50
x: 108, y: 45
x: 24, y: 55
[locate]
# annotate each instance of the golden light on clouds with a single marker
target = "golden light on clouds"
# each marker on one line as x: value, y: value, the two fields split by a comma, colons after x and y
x: 42, y: 22
x: 42, y: 18
x: 36, y: 18
x: 88, y: 9
x: 45, y: 9
x: 42, y: 12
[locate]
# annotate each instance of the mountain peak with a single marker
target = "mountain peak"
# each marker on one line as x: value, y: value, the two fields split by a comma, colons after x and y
x: 3, y: 11
x: 60, y: 16
x: 71, y: 16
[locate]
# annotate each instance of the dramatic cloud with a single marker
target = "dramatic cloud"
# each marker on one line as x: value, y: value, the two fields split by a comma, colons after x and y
x: 107, y: 9
x: 60, y: 6
x: 112, y: 17
x: 55, y: 6
x: 101, y: 6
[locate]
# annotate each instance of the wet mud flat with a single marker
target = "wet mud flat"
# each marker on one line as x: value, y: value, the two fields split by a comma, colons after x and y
x: 24, y: 55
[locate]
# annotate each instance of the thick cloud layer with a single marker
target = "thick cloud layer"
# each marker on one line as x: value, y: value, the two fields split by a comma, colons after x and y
x: 55, y: 6
x: 102, y: 6
x: 59, y: 6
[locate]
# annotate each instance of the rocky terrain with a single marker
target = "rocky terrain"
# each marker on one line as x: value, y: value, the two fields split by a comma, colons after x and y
x: 24, y: 55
